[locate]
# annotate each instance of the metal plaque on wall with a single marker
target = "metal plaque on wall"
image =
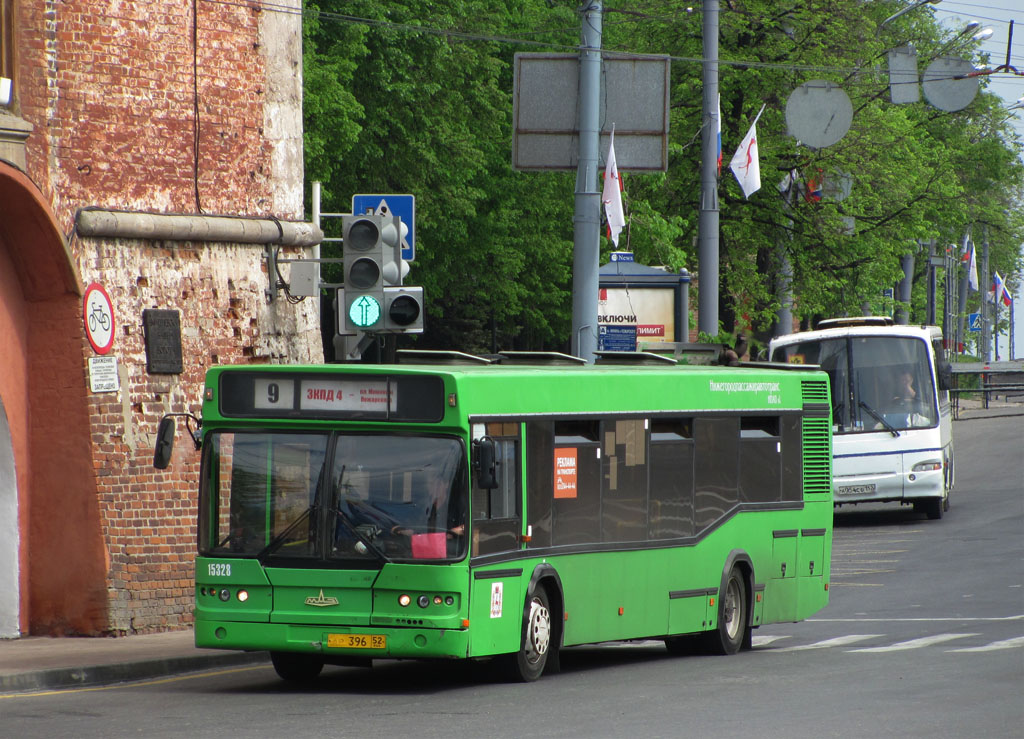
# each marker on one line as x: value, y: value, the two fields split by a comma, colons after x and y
x: 163, y: 341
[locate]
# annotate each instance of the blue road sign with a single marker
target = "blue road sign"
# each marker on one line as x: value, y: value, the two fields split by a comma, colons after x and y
x: 974, y: 321
x: 616, y: 339
x: 403, y: 206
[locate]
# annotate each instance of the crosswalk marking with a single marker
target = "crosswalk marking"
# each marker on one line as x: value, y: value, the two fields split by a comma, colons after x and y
x: 994, y: 646
x: 925, y: 641
x: 761, y: 641
x: 838, y: 641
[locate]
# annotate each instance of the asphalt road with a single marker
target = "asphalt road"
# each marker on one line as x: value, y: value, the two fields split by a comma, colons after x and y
x: 924, y: 637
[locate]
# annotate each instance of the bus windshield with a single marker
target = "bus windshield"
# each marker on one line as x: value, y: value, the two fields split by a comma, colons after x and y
x: 879, y: 383
x: 364, y: 497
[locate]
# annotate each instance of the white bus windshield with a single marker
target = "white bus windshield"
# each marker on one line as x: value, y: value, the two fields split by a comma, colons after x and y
x: 879, y: 383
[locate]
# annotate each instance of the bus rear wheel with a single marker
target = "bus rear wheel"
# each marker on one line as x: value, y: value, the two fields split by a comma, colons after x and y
x: 296, y: 668
x: 733, y: 617
x: 528, y: 663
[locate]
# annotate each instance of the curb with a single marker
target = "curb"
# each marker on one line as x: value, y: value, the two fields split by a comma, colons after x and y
x: 99, y: 675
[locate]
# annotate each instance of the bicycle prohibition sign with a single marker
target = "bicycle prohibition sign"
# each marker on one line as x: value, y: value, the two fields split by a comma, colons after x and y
x: 99, y: 318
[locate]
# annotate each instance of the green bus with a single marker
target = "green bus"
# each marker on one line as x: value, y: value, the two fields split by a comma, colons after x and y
x: 461, y: 507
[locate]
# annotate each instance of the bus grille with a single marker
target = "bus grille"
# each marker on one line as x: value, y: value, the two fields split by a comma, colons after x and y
x: 817, y: 456
x: 814, y: 391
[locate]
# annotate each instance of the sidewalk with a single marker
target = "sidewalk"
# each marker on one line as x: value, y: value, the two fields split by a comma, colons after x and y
x: 44, y: 663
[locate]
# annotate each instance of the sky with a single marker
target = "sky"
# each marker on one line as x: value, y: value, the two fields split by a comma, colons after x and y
x: 997, y: 14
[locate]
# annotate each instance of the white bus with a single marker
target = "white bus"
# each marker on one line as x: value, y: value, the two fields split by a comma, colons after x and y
x: 892, y: 423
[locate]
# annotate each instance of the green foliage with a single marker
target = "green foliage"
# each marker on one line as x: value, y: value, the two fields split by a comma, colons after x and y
x: 412, y: 96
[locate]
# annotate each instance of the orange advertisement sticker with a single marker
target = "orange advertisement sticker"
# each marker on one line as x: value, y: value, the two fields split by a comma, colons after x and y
x: 565, y: 472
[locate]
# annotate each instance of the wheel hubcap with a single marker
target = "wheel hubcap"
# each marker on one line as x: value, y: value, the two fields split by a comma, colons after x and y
x: 732, y: 602
x: 538, y: 631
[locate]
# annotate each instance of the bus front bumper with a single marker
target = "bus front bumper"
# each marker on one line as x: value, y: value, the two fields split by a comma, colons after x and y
x: 922, y: 479
x: 362, y: 642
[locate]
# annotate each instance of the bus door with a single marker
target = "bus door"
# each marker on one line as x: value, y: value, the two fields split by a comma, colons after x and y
x: 496, y: 597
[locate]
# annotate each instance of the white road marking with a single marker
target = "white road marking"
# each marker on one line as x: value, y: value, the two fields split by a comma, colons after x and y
x: 994, y: 646
x: 838, y: 641
x: 925, y: 641
x: 761, y: 641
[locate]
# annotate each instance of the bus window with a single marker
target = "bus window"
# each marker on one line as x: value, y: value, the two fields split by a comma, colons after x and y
x: 671, y: 467
x: 576, y: 465
x: 624, y: 472
x: 892, y: 384
x: 262, y: 487
x: 399, y: 496
x: 716, y: 476
x: 760, y: 472
x: 540, y: 449
x: 496, y: 515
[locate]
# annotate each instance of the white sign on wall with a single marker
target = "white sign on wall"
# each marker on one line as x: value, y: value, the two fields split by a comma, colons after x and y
x: 103, y: 375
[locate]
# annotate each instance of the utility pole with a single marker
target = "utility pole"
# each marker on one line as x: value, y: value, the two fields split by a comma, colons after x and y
x: 984, y: 282
x: 904, y: 289
x: 707, y: 223
x: 587, y: 217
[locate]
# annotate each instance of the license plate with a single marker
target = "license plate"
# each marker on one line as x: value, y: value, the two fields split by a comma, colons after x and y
x: 357, y: 641
x: 855, y: 489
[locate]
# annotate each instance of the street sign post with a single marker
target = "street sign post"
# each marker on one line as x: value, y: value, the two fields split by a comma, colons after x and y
x: 974, y: 321
x: 403, y: 206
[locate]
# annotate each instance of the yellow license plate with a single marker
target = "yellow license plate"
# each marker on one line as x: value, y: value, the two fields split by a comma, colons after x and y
x: 357, y: 641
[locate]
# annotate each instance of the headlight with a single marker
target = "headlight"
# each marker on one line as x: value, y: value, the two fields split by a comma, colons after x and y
x: 404, y: 600
x: 926, y: 466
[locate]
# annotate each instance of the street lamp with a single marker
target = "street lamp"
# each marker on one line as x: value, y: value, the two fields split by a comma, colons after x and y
x: 907, y: 9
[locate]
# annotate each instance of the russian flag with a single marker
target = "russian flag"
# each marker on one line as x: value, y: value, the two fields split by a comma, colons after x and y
x: 999, y: 290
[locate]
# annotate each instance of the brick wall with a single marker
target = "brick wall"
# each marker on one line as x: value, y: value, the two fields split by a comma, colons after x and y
x: 112, y: 90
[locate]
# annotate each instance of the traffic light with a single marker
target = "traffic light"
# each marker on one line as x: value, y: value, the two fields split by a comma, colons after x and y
x: 372, y: 255
x: 403, y: 310
x: 373, y: 299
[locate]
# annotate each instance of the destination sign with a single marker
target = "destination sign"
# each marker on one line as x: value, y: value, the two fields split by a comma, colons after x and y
x: 377, y: 397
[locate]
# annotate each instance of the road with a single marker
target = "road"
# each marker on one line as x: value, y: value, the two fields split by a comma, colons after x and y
x: 924, y: 637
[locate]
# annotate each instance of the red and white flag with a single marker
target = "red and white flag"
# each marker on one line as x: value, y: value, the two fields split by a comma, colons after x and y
x: 745, y: 164
x: 611, y: 196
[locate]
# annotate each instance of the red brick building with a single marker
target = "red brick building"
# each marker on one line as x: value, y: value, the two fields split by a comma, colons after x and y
x: 153, y: 149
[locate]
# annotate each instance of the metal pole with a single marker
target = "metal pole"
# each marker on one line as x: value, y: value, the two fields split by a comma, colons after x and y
x: 962, y: 291
x: 683, y: 309
x: 905, y: 287
x: 707, y: 223
x: 932, y: 291
x: 984, y: 282
x: 587, y: 218
x: 316, y: 248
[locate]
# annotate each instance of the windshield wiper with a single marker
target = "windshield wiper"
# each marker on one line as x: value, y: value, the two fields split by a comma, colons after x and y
x: 881, y: 419
x: 281, y: 538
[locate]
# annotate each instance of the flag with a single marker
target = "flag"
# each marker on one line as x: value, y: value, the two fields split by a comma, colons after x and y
x: 999, y: 291
x: 611, y: 196
x: 972, y: 268
x: 718, y: 123
x: 744, y: 164
x: 814, y: 185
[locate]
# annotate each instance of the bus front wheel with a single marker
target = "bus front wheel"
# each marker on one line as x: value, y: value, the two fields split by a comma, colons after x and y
x: 733, y: 616
x: 528, y: 663
x: 296, y: 668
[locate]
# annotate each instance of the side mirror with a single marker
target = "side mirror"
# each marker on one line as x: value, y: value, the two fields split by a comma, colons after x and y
x: 944, y: 373
x: 484, y: 464
x: 164, y: 443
